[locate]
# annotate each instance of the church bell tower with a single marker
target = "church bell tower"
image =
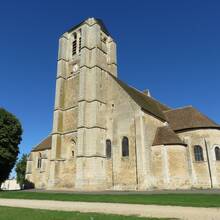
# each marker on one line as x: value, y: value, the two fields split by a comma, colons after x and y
x: 87, y: 53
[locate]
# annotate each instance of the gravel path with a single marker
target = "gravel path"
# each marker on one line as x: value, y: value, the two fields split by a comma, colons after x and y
x: 116, y: 208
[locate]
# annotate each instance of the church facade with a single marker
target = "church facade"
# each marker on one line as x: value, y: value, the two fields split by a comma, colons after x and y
x: 108, y: 135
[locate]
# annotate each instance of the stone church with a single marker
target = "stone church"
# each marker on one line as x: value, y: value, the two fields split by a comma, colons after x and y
x: 108, y: 135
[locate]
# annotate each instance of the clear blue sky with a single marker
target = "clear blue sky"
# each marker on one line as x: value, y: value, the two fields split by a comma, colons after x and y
x: 169, y: 47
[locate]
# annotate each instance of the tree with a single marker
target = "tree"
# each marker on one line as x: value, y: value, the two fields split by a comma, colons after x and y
x: 21, y: 170
x: 10, y: 138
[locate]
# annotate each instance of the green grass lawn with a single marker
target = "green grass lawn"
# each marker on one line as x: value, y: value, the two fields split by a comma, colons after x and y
x: 8, y: 213
x: 194, y: 200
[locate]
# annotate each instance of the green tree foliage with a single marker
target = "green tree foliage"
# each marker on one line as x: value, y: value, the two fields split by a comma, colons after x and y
x: 10, y: 138
x: 21, y: 170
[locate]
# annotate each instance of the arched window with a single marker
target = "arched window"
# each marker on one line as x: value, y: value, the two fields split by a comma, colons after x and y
x: 108, y: 148
x: 39, y: 161
x: 125, y: 147
x: 217, y: 153
x: 198, y: 152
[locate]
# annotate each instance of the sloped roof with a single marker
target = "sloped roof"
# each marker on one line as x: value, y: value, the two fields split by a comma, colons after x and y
x: 44, y: 145
x: 147, y: 103
x: 188, y: 118
x: 98, y: 21
x: 166, y: 136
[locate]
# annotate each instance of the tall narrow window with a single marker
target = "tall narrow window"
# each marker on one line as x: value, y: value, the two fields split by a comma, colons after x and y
x: 125, y: 147
x: 80, y: 43
x: 217, y: 153
x: 108, y: 148
x: 39, y: 161
x: 198, y: 152
x: 74, y: 44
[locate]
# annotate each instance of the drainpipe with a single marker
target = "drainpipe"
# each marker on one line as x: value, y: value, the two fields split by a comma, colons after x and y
x: 209, y: 167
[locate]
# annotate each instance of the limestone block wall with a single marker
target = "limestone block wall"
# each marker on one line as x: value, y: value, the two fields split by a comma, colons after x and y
x: 71, y: 91
x: 70, y: 120
x: 203, y: 174
x: 216, y: 173
x: 148, y: 125
x: 68, y: 141
x: 109, y: 174
x: 91, y: 174
x: 65, y: 174
x: 121, y: 173
x: 159, y: 166
x: 38, y: 176
x: 87, y: 90
x: 169, y: 167
x: 177, y: 167
x: 125, y: 168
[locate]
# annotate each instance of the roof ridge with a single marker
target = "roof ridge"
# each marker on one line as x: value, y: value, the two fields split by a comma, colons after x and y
x: 141, y: 93
x: 179, y: 108
x: 158, y: 101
